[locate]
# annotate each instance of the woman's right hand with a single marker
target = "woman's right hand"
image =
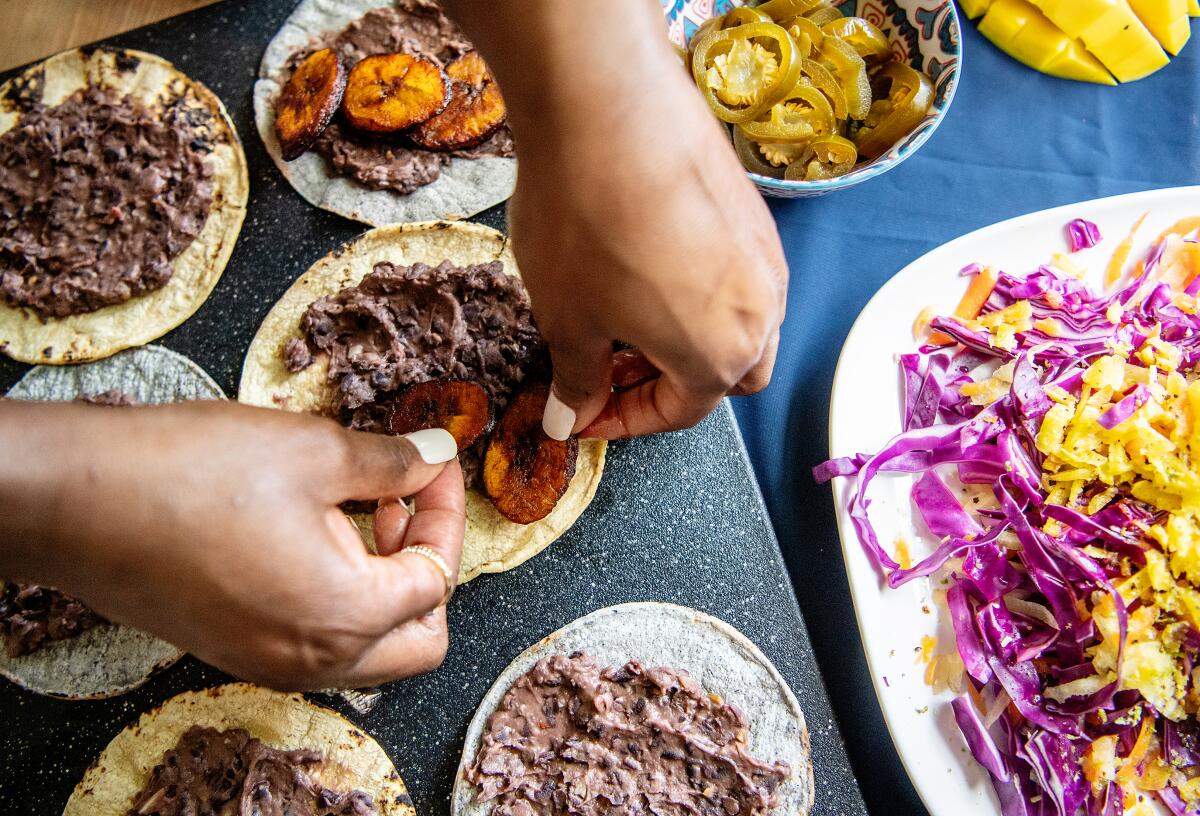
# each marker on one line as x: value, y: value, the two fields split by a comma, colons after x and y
x: 633, y: 219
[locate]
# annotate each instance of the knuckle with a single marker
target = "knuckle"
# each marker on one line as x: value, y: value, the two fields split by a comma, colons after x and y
x: 323, y: 654
x: 403, y: 456
x: 334, y: 446
x: 439, y: 641
x: 756, y: 380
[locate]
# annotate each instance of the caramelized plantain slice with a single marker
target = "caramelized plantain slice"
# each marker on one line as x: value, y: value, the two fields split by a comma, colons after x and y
x: 308, y: 102
x: 475, y: 112
x: 525, y: 472
x: 390, y: 92
x: 459, y: 406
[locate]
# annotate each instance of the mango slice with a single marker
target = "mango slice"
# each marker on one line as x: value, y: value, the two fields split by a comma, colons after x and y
x: 976, y: 8
x: 1112, y: 32
x: 1020, y: 30
x: 1167, y: 20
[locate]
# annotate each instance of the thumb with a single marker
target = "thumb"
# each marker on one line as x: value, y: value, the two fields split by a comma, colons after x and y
x: 375, y: 466
x: 582, y: 382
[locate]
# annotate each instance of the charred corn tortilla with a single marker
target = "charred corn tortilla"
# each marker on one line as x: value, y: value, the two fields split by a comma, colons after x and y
x: 154, y: 82
x: 465, y: 187
x: 109, y: 659
x: 718, y: 656
x: 286, y: 721
x: 493, y: 543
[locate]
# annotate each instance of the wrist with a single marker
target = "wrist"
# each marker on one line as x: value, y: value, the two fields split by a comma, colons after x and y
x: 569, y: 69
x: 32, y: 474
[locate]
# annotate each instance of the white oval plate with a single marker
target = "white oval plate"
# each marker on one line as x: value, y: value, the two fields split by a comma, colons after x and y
x: 864, y: 414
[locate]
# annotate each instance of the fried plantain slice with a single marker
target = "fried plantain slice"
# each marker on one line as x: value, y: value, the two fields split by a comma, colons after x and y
x: 525, y: 472
x: 475, y: 112
x: 308, y: 102
x: 459, y: 406
x: 390, y: 92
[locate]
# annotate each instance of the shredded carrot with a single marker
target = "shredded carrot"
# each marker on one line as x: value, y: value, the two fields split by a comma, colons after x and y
x: 1180, y: 263
x: 1181, y: 228
x: 903, y: 555
x: 972, y: 303
x: 1129, y: 770
x: 976, y: 699
x: 921, y: 324
x: 1116, y: 266
x: 1190, y: 260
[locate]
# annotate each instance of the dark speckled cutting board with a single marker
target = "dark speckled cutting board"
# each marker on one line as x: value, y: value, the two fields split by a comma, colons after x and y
x: 677, y: 518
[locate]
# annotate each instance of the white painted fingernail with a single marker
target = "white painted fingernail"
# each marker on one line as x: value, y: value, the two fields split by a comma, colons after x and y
x: 435, y: 445
x: 558, y: 420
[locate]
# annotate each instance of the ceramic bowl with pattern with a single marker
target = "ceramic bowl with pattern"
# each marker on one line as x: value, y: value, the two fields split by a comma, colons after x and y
x: 923, y: 33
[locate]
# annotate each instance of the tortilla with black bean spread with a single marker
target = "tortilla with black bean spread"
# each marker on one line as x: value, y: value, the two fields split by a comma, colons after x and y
x: 434, y: 185
x: 122, y: 194
x: 493, y: 543
x: 106, y: 659
x: 647, y: 648
x: 349, y: 760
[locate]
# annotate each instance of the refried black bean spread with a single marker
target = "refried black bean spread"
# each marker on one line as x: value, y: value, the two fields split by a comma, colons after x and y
x: 31, y: 616
x: 572, y: 738
x: 404, y: 325
x: 98, y: 195
x: 230, y: 773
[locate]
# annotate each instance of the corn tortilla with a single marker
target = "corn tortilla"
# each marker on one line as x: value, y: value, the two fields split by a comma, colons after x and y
x: 715, y: 654
x: 465, y: 187
x: 155, y: 83
x: 352, y: 760
x: 493, y: 543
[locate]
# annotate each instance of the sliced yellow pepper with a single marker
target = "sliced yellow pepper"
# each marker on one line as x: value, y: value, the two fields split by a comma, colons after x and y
x: 1020, y: 30
x: 824, y: 158
x: 866, y: 38
x: 803, y: 115
x: 851, y: 71
x: 808, y: 35
x: 1194, y: 8
x: 741, y: 78
x: 779, y: 10
x: 743, y: 15
x: 823, y: 16
x: 825, y: 82
x: 1111, y: 31
x: 752, y: 157
x: 908, y: 97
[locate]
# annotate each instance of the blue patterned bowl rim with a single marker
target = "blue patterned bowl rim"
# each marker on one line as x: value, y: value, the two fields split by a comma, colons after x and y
x: 910, y: 145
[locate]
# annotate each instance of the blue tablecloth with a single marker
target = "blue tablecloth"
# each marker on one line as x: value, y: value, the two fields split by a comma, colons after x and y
x: 1014, y: 142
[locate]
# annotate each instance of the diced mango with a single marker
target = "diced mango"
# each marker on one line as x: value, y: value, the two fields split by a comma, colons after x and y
x: 976, y: 8
x: 1112, y: 32
x: 1021, y: 31
x: 1167, y: 20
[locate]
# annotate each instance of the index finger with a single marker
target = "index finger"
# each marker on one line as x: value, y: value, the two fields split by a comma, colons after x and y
x: 409, y: 585
x: 662, y: 404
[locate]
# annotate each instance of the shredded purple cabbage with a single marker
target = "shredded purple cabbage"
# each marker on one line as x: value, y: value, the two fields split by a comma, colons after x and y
x: 1033, y: 750
x: 1083, y: 234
